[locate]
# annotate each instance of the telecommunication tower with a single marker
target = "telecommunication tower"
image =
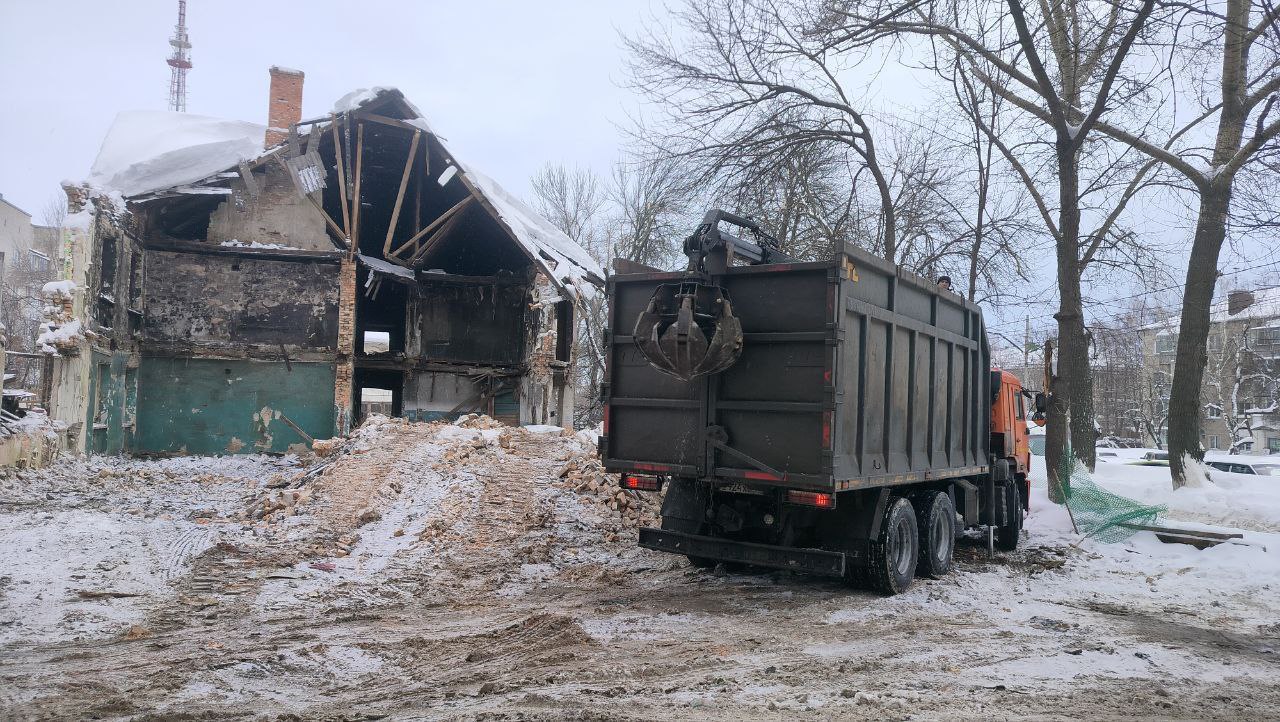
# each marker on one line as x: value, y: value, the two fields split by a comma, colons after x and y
x: 179, y: 61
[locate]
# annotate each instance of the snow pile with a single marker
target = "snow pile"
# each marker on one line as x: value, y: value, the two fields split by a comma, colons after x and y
x: 59, y: 290
x: 357, y: 99
x: 236, y: 243
x: 149, y: 150
x: 1239, y: 501
x: 60, y: 337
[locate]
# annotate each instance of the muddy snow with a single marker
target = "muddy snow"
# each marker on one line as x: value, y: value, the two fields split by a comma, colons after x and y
x: 477, y: 571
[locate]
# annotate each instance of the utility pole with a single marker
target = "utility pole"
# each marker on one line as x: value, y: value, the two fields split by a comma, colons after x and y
x: 1026, y: 344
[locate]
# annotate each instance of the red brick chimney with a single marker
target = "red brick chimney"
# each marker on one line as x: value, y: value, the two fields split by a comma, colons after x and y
x: 285, y: 106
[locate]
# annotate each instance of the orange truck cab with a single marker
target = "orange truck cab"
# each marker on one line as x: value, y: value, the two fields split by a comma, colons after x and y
x: 1010, y: 438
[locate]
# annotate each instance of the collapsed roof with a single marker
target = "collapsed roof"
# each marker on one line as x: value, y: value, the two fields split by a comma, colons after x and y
x: 150, y: 155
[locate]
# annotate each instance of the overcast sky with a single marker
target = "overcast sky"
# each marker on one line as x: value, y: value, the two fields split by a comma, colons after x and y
x: 510, y: 85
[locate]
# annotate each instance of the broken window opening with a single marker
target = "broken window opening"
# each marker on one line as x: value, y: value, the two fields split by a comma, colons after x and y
x: 384, y: 314
x: 184, y: 217
x: 377, y: 391
x: 107, y: 267
x: 101, y: 406
x: 377, y: 342
x: 108, y: 258
x: 564, y: 330
x: 375, y: 401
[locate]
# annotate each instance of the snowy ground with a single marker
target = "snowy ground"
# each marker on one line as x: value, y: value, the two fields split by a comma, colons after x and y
x: 467, y: 572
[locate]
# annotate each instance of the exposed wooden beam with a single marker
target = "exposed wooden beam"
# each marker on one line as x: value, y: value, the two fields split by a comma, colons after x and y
x: 404, y: 185
x: 436, y: 223
x: 342, y: 177
x: 426, y: 159
x: 384, y: 120
x: 430, y: 241
x: 250, y: 183
x: 355, y: 202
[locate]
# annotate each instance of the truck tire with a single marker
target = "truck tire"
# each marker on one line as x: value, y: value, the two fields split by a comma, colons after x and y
x: 1008, y: 534
x: 936, y: 521
x: 893, y: 558
x: 682, y: 511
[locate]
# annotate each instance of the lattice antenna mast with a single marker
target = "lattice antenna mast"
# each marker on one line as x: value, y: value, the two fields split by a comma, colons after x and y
x: 179, y: 61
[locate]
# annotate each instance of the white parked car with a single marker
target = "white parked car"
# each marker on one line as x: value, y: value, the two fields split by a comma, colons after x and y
x: 1261, y: 467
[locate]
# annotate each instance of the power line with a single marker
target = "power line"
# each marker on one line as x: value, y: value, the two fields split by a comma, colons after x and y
x: 1148, y: 292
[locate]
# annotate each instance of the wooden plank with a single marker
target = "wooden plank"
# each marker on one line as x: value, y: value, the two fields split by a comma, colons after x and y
x: 296, y: 428
x: 430, y: 241
x: 250, y: 183
x: 417, y: 204
x: 435, y: 224
x: 1185, y: 532
x: 342, y: 178
x: 391, y: 122
x: 404, y: 185
x: 355, y: 202
x: 1199, y: 542
x: 313, y: 140
x: 426, y: 160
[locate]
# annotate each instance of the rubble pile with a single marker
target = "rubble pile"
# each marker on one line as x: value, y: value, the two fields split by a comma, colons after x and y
x: 584, y: 475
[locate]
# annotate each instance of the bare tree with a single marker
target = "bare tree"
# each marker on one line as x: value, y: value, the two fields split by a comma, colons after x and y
x: 650, y: 210
x: 1244, y: 38
x: 981, y: 230
x: 574, y: 201
x: 25, y: 273
x: 1057, y: 63
x: 1242, y: 383
x: 807, y: 200
x: 745, y: 86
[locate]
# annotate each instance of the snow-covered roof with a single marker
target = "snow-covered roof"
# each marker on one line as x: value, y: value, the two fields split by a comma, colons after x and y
x: 1266, y: 305
x: 570, y: 265
x: 147, y: 150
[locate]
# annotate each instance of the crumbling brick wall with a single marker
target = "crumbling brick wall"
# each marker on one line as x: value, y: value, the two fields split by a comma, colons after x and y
x: 277, y: 216
x: 345, y: 367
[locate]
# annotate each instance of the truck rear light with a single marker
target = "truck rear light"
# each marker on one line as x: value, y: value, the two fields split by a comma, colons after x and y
x: 640, y: 483
x: 812, y: 498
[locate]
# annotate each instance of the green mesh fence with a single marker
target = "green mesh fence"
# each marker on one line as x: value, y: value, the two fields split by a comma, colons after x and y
x: 1098, y: 513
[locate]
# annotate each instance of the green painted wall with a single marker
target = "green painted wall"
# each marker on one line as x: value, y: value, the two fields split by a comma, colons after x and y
x: 111, y: 403
x: 212, y: 406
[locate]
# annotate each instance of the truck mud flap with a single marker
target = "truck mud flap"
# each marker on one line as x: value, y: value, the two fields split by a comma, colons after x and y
x: 810, y: 561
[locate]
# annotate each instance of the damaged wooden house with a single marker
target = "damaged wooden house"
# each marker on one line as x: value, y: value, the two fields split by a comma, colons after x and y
x: 232, y: 288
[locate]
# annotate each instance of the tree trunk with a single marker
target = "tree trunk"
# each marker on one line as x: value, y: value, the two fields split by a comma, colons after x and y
x: 1193, y: 331
x: 1072, y: 394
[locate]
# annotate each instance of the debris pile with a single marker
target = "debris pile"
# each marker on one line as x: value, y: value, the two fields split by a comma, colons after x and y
x: 584, y: 475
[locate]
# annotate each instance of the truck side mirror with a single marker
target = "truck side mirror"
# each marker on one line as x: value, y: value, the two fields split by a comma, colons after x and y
x: 1042, y: 403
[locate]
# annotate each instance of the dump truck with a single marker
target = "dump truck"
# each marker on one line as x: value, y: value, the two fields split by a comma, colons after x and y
x: 838, y: 418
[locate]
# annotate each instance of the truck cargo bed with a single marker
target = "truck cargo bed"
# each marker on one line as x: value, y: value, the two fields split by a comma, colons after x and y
x: 853, y: 374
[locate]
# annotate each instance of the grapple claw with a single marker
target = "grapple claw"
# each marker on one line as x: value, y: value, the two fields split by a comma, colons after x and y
x: 671, y: 333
